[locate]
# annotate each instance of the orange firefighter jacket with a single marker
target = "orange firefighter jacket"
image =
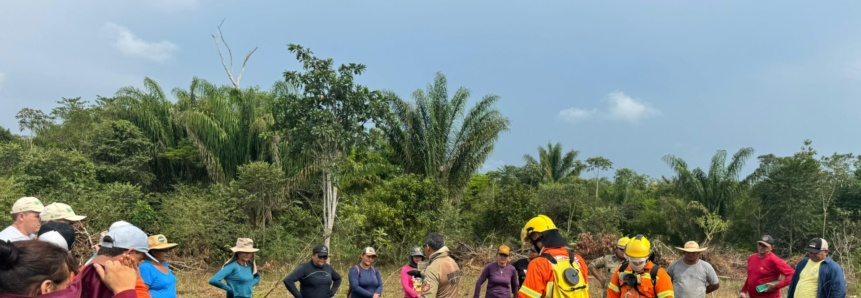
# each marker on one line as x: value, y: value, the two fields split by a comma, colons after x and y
x: 663, y: 287
x: 540, y: 272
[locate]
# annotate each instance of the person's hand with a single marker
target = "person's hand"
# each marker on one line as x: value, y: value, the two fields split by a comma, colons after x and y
x: 376, y: 295
x: 117, y: 276
x: 771, y: 288
x: 742, y: 295
x: 415, y: 273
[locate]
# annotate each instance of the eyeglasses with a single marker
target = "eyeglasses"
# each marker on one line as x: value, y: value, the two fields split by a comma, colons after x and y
x: 503, y: 255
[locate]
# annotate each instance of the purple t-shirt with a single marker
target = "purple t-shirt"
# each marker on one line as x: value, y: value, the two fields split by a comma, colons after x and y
x: 501, y: 282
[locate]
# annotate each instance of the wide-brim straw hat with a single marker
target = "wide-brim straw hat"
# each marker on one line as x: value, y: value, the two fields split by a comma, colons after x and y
x: 244, y: 245
x: 692, y: 246
x: 159, y: 242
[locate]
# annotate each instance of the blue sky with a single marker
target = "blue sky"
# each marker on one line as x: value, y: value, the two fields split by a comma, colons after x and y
x: 627, y: 80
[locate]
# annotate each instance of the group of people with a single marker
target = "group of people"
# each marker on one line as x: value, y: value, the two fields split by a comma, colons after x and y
x: 36, y: 260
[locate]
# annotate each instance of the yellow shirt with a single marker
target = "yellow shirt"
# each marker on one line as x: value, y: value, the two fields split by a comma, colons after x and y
x: 808, y: 282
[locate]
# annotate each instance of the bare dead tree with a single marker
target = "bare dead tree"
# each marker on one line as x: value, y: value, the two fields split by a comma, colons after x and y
x: 230, y: 53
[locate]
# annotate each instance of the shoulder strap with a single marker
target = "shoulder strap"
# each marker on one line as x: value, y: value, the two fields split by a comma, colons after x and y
x: 623, y: 266
x: 653, y: 274
x: 549, y: 257
x: 573, y: 259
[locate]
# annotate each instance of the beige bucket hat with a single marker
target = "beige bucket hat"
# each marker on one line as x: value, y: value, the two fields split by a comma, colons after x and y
x: 159, y: 242
x: 27, y: 204
x: 57, y: 211
x: 244, y: 245
x: 692, y: 246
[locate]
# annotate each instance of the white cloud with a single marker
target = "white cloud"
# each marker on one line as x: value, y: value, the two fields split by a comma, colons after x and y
x: 619, y: 106
x: 131, y: 45
x: 627, y: 108
x: 576, y: 114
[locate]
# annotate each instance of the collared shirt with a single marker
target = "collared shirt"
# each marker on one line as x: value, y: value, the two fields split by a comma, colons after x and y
x: 608, y: 265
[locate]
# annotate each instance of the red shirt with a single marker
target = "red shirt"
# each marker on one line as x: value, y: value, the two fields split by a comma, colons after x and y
x: 766, y: 270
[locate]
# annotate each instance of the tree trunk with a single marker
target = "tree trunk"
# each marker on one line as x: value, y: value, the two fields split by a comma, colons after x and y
x: 330, y: 205
x: 597, y: 182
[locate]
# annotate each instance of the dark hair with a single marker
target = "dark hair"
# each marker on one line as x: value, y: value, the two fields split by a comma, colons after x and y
x: 65, y: 230
x: 110, y: 251
x: 24, y: 265
x: 435, y: 241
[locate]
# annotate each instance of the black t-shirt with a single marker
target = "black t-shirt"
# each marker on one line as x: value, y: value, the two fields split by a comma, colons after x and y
x: 314, y: 282
x: 521, y: 266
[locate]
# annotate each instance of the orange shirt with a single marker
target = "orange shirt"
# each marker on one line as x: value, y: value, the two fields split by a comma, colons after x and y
x: 663, y: 287
x: 540, y: 272
x: 141, y: 289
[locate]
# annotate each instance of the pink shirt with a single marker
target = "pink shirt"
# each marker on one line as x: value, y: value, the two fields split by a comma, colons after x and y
x: 412, y: 286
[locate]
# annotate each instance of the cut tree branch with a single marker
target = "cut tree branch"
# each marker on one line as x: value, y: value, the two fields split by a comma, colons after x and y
x: 229, y: 70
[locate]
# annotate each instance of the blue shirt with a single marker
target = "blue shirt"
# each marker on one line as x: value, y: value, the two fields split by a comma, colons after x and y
x: 365, y: 283
x: 240, y: 281
x: 161, y: 285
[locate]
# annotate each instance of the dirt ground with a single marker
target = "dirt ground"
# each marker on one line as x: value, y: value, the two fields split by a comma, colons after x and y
x: 192, y: 285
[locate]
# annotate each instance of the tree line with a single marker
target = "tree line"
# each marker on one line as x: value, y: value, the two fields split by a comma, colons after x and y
x: 319, y: 158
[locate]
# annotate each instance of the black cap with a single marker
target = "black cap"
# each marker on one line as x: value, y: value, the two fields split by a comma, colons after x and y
x: 767, y: 240
x: 321, y: 250
x: 816, y: 245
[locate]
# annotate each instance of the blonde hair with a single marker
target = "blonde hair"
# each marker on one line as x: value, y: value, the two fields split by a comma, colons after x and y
x: 235, y: 258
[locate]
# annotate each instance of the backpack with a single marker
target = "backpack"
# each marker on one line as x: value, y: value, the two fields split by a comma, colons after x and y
x: 358, y: 272
x: 568, y: 279
x: 652, y: 274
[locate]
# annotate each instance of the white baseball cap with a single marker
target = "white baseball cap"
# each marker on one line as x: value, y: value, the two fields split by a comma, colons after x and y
x: 56, y: 211
x: 27, y: 204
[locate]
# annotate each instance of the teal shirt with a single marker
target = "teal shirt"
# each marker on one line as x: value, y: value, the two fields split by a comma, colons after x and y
x: 240, y: 281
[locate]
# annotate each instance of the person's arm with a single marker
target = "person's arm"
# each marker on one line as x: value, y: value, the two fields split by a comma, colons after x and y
x: 785, y: 270
x: 744, y: 287
x: 292, y: 278
x: 142, y: 289
x: 220, y: 275
x: 838, y: 282
x: 613, y: 286
x: 256, y: 279
x: 336, y: 283
x: 535, y: 283
x: 379, y: 290
x: 481, y: 279
x: 664, y: 285
x: 515, y: 284
x: 430, y: 284
x: 711, y: 278
x: 407, y: 282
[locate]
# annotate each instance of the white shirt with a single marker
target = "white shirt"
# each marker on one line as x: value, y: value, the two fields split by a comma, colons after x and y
x: 12, y: 234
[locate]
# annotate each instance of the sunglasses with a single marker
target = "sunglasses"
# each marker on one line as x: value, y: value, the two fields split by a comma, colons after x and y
x: 503, y: 255
x: 323, y: 257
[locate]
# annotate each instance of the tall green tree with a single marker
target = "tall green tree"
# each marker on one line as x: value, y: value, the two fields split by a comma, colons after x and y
x: 598, y: 164
x: 32, y: 120
x: 229, y: 127
x: 121, y: 153
x: 435, y: 136
x: 556, y: 165
x: 718, y: 188
x: 326, y: 117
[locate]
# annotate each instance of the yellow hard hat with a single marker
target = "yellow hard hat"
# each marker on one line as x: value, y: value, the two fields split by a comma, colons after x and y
x: 539, y: 223
x: 638, y: 247
x: 622, y: 242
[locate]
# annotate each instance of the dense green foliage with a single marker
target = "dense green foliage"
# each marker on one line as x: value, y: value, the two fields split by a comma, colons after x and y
x: 320, y: 157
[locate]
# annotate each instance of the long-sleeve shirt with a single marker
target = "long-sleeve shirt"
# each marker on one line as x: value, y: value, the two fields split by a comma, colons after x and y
x: 412, y: 285
x: 365, y: 282
x: 662, y: 288
x: 240, y: 280
x: 541, y: 272
x: 86, y: 284
x: 500, y: 281
x: 314, y: 282
x: 521, y: 266
x: 766, y: 270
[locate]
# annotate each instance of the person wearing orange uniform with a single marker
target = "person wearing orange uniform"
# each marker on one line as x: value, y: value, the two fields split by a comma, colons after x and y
x: 635, y: 277
x: 540, y: 276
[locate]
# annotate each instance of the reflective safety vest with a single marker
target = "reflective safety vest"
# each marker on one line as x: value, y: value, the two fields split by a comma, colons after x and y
x: 557, y: 274
x: 660, y: 287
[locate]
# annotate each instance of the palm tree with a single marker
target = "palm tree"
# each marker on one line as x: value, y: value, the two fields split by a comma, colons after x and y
x: 434, y: 137
x: 555, y: 165
x: 717, y: 188
x: 228, y: 125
